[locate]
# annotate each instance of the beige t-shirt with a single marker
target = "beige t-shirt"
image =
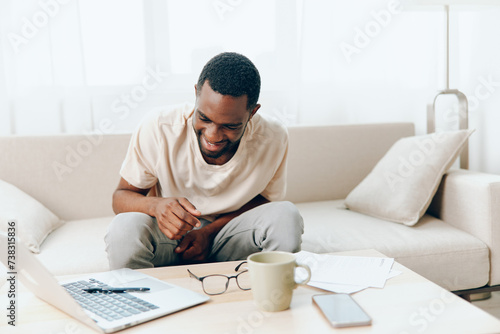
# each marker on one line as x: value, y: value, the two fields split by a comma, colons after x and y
x: 164, y: 152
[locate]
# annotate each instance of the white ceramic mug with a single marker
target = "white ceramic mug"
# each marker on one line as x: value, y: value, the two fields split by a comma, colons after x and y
x: 272, y: 276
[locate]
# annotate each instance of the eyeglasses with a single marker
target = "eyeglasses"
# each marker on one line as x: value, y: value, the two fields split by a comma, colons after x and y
x: 217, y: 284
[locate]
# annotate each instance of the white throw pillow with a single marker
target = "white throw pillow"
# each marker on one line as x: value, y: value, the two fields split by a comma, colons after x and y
x: 401, y: 186
x: 33, y: 221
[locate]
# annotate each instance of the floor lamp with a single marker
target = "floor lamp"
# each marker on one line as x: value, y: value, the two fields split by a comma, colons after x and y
x: 463, y: 104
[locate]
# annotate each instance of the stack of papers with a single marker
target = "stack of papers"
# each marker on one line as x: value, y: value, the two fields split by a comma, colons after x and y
x: 347, y: 274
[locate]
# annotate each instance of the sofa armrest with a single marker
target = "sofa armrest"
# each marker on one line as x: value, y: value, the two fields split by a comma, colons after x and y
x: 470, y: 201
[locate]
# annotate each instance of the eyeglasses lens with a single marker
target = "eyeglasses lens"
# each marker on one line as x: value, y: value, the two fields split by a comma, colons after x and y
x: 215, y: 284
x: 244, y: 280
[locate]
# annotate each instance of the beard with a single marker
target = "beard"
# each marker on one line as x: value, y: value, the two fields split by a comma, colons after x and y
x: 229, y: 146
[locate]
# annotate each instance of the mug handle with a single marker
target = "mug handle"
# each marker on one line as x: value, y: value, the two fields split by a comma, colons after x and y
x: 306, y: 267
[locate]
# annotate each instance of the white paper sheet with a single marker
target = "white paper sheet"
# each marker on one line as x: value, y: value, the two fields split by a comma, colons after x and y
x: 346, y: 273
x: 346, y: 288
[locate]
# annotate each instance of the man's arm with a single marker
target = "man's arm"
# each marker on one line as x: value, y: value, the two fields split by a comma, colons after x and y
x: 223, y: 219
x: 175, y: 215
x: 196, y: 245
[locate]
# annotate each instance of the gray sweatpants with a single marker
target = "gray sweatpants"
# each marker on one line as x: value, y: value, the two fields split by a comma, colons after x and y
x: 133, y: 239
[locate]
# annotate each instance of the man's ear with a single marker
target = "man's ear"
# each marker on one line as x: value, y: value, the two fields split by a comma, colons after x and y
x: 254, y: 111
x: 195, y: 90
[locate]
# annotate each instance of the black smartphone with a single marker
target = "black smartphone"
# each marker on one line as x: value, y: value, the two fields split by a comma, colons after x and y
x: 341, y: 310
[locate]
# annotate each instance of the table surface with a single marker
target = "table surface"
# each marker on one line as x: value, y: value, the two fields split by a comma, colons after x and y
x: 407, y: 304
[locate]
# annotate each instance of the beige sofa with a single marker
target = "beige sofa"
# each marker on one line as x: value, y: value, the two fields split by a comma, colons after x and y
x: 457, y: 245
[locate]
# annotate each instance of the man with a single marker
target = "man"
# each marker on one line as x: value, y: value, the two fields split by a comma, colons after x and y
x: 197, y: 183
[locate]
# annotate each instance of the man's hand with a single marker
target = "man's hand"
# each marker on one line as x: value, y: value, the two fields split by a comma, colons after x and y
x: 195, y: 247
x: 175, y: 216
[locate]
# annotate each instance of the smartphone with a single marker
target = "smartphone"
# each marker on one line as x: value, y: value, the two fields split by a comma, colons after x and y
x: 341, y: 310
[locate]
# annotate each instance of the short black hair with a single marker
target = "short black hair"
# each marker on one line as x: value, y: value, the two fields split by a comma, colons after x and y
x: 231, y: 73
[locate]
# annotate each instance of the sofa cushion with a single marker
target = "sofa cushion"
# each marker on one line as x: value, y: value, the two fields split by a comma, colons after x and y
x: 33, y: 221
x: 76, y: 247
x: 401, y: 186
x: 432, y: 248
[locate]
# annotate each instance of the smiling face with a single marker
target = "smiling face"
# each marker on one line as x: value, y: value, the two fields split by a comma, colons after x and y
x: 219, y: 122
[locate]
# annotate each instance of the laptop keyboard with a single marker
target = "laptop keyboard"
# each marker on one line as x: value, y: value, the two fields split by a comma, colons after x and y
x: 110, y: 306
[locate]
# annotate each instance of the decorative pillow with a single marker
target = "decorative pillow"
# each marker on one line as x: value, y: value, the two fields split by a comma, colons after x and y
x: 33, y: 220
x: 402, y: 184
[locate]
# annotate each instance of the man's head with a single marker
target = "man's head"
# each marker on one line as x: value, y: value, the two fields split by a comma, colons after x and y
x: 226, y: 99
x: 233, y: 74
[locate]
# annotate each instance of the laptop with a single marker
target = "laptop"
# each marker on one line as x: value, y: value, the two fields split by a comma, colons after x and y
x: 103, y: 311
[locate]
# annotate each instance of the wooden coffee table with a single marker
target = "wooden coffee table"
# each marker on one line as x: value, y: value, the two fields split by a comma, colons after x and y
x: 408, y: 303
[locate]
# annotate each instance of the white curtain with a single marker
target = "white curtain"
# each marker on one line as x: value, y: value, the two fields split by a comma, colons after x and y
x: 79, y: 66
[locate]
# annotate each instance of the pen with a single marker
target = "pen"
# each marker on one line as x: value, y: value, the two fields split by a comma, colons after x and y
x: 124, y: 289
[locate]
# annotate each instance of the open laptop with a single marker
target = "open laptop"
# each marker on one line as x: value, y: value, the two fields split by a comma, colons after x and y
x: 104, y: 312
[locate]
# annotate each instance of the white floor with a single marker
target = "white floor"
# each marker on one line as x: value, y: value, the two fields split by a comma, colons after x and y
x: 490, y: 305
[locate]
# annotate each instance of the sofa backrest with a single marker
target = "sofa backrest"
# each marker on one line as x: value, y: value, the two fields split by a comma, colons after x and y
x: 75, y: 175
x: 327, y: 162
x: 72, y: 175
